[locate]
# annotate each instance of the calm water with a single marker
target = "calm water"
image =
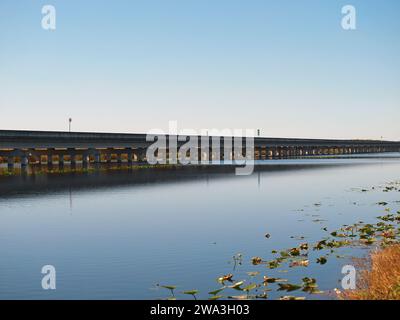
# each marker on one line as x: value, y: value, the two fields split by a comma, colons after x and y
x: 115, y: 235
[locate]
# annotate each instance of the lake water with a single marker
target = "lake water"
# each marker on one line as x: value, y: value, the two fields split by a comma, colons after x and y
x: 116, y: 234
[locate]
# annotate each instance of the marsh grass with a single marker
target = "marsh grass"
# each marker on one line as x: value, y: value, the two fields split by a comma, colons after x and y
x: 379, y: 278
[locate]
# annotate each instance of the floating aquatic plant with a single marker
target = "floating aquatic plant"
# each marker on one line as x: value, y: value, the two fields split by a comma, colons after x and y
x: 192, y: 293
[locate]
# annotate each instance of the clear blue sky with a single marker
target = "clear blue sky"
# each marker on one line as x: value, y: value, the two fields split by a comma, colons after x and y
x: 284, y: 66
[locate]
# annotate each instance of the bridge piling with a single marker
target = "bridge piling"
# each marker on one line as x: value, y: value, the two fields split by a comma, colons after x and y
x: 24, y: 160
x: 61, y: 160
x: 10, y: 162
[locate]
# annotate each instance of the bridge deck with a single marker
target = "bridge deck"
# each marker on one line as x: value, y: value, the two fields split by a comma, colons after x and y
x: 10, y: 139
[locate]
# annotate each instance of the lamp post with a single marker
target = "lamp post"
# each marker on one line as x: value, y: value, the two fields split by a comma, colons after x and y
x: 69, y: 124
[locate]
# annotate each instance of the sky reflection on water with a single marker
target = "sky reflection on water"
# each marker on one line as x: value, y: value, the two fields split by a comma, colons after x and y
x: 117, y: 234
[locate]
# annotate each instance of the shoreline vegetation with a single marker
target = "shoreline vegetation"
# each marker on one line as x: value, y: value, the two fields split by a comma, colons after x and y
x: 377, y: 277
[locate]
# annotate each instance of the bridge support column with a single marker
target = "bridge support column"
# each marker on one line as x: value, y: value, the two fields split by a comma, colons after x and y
x: 141, y: 155
x: 222, y: 154
x: 50, y: 159
x: 119, y: 157
x: 162, y: 156
x: 275, y: 152
x: 97, y: 157
x: 169, y: 155
x: 256, y: 153
x: 199, y: 155
x: 61, y: 160
x: 210, y: 155
x: 130, y: 156
x: 207, y: 155
x: 24, y: 161
x: 267, y: 153
x: 85, y: 159
x: 73, y: 159
x: 10, y: 161
x: 283, y: 152
x: 50, y: 153
x: 261, y: 153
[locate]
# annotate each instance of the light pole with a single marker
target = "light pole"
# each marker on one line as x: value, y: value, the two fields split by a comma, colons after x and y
x: 69, y: 124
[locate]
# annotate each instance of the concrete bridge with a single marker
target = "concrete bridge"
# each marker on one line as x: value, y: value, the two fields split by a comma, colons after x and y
x: 29, y: 147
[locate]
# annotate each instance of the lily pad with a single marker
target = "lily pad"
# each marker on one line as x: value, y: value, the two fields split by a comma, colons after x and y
x: 215, y: 292
x: 250, y: 287
x: 237, y: 285
x: 288, y: 287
